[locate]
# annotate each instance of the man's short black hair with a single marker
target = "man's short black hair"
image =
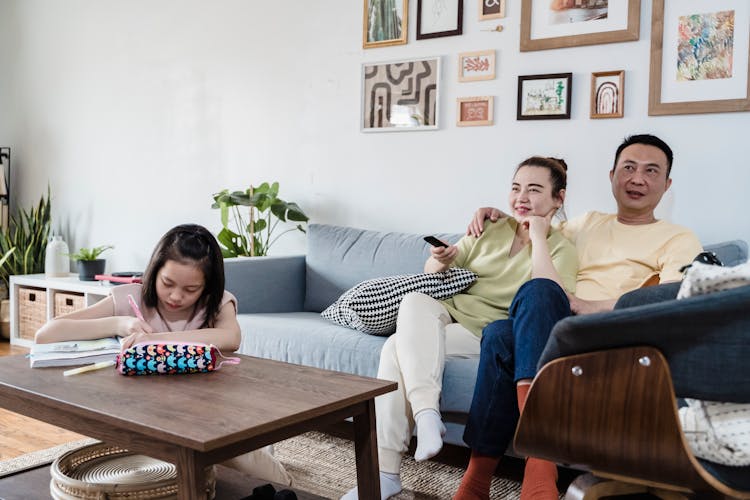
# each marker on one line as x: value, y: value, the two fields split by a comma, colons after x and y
x: 649, y: 140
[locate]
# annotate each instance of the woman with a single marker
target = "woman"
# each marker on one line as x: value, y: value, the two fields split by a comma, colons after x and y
x: 508, y: 254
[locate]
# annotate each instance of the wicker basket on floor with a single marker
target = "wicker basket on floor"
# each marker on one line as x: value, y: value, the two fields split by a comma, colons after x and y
x: 101, y: 471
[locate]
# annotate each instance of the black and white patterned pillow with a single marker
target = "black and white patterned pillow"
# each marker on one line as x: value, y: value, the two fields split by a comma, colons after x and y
x: 372, y: 306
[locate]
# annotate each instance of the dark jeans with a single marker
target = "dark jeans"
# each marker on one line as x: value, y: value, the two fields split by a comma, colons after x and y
x: 510, y: 350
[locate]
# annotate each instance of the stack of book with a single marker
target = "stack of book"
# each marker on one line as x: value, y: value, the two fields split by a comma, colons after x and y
x: 74, y: 352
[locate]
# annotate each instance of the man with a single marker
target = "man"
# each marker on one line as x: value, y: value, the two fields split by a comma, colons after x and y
x: 617, y: 253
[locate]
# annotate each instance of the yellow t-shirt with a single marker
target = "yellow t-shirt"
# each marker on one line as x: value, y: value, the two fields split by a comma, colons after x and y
x: 499, y: 275
x: 615, y: 258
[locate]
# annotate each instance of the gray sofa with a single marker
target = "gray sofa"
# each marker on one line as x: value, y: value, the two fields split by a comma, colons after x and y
x: 280, y: 300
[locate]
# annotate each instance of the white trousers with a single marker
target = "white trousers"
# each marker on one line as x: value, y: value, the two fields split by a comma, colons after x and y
x: 414, y: 357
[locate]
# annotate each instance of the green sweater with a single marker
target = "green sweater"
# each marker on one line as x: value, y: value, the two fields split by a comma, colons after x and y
x: 499, y: 275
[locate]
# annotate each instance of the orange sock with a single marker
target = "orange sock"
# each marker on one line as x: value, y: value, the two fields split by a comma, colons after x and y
x: 539, y: 480
x: 477, y: 479
x: 540, y: 476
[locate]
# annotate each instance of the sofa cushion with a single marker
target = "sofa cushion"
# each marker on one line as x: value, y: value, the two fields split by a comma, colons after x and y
x: 340, y: 257
x: 372, y: 306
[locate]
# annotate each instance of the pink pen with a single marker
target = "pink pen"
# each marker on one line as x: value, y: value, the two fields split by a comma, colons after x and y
x: 135, y: 308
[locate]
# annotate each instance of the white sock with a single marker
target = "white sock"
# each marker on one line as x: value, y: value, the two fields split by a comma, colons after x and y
x: 430, y: 432
x: 390, y: 484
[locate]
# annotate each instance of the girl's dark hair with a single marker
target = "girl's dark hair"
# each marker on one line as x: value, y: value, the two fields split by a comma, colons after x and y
x: 189, y: 244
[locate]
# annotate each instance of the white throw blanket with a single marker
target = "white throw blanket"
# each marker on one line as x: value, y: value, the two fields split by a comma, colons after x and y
x: 718, y: 432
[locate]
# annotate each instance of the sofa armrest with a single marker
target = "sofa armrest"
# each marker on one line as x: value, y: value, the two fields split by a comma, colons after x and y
x: 266, y: 284
x: 706, y: 340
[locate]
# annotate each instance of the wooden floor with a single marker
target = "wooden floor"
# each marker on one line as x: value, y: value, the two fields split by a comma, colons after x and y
x: 20, y: 435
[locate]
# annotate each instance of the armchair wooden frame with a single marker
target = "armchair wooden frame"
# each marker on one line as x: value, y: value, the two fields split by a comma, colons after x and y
x: 614, y: 413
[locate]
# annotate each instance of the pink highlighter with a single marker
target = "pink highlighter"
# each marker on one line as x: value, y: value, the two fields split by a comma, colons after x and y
x: 135, y: 308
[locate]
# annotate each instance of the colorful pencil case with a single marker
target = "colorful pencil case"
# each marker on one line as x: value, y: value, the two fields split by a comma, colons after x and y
x: 172, y: 358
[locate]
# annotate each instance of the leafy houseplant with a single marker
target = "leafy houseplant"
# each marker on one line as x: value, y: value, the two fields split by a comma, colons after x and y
x: 89, y: 263
x: 252, y: 234
x: 28, y: 233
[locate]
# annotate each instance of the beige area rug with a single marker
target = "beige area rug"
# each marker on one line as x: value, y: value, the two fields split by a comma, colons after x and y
x: 324, y: 465
x: 320, y: 464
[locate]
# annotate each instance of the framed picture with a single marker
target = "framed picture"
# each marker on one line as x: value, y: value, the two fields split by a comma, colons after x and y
x: 607, y: 94
x: 400, y: 95
x: 385, y: 23
x: 700, y: 53
x: 473, y: 66
x: 552, y: 24
x: 544, y: 97
x: 474, y: 111
x: 491, y: 9
x: 436, y: 18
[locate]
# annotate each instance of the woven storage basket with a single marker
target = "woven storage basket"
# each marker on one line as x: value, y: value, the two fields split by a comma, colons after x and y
x: 100, y: 471
x: 66, y: 302
x: 32, y: 311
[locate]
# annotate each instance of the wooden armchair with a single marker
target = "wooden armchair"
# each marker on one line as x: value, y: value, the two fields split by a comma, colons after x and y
x: 605, y: 399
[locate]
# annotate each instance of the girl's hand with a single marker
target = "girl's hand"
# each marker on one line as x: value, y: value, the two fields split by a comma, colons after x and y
x: 444, y: 255
x: 130, y: 325
x: 133, y: 339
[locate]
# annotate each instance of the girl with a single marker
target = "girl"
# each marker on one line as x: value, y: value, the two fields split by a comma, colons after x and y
x: 182, y: 299
x: 507, y: 255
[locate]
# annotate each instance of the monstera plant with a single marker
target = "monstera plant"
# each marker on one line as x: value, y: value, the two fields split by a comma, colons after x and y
x: 252, y: 231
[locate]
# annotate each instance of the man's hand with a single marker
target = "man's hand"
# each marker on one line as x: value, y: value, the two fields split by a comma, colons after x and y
x: 476, y: 226
x: 580, y: 306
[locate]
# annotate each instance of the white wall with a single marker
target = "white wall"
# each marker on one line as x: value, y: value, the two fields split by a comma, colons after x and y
x: 136, y: 111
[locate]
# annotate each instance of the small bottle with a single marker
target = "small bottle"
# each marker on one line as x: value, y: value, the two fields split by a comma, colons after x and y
x: 56, y: 260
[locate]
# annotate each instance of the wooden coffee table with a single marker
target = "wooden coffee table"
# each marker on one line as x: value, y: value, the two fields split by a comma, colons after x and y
x: 197, y: 420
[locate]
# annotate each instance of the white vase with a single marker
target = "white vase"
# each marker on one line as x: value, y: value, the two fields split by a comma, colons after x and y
x: 56, y: 260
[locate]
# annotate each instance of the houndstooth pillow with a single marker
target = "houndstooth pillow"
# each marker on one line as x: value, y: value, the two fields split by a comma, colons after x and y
x: 716, y: 431
x: 372, y: 306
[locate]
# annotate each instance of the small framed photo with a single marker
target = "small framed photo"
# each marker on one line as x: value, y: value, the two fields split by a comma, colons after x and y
x: 385, y: 23
x: 400, y: 95
x: 473, y: 66
x: 437, y: 18
x: 544, y: 97
x: 474, y: 111
x: 491, y: 9
x: 607, y: 94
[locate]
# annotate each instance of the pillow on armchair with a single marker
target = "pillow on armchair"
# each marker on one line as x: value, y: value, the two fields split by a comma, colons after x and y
x: 372, y: 305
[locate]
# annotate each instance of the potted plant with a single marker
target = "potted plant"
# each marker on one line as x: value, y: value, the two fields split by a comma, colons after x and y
x: 253, y: 234
x: 28, y: 232
x: 89, y: 263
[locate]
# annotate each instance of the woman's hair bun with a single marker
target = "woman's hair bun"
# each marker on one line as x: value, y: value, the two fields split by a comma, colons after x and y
x: 560, y: 161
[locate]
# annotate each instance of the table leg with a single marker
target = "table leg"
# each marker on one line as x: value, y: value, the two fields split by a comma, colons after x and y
x: 191, y: 476
x: 366, y: 453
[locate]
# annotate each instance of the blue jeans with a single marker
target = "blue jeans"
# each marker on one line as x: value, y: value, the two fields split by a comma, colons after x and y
x: 510, y: 350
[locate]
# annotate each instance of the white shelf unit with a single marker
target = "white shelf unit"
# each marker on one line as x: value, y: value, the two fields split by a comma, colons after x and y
x: 93, y: 292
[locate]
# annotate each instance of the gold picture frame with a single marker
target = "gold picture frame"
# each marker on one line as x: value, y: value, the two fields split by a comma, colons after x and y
x: 661, y: 104
x: 607, y: 94
x: 391, y: 31
x: 583, y: 33
x: 491, y: 9
x: 475, y: 111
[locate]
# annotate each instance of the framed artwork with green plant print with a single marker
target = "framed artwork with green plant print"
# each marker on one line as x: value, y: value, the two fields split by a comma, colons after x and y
x: 384, y: 23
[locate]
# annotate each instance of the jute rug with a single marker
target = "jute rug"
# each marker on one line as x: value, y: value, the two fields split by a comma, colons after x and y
x: 323, y: 465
